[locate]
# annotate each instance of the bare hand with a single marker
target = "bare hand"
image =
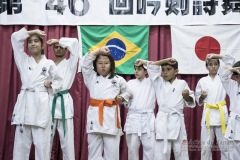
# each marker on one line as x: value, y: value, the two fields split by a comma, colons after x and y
x: 213, y: 56
x: 203, y: 95
x: 186, y: 97
x: 131, y: 96
x: 119, y: 99
x: 38, y: 32
x: 51, y: 42
x: 171, y: 61
x: 48, y: 84
x: 185, y: 93
x: 235, y: 69
x: 140, y: 62
x: 104, y: 50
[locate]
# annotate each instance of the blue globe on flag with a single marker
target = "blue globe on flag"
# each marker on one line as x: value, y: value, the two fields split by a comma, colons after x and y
x: 117, y: 48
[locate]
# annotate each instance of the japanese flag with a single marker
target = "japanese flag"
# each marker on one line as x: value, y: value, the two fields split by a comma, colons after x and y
x: 191, y: 44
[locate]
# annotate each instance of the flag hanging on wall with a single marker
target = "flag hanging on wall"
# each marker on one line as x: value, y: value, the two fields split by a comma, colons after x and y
x: 126, y: 43
x: 191, y: 44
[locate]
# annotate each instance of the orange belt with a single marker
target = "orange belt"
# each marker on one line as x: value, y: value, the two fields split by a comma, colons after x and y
x: 101, y: 104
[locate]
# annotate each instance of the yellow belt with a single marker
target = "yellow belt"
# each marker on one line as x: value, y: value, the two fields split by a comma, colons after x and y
x: 222, y: 118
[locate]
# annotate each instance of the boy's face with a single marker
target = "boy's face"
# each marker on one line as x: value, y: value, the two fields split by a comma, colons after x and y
x: 140, y: 72
x: 213, y: 66
x: 58, y: 50
x: 169, y: 73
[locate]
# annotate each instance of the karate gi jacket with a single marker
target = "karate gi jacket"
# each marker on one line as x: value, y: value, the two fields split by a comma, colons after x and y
x: 169, y: 123
x: 32, y: 106
x: 103, y: 88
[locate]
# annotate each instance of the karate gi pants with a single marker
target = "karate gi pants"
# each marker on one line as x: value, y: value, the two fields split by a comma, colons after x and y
x: 133, y: 143
x: 234, y: 150
x: 67, y: 141
x: 180, y: 150
x: 98, y: 142
x: 40, y: 137
x: 208, y: 139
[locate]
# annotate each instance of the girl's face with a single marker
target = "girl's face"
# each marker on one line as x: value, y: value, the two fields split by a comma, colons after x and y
x: 35, y: 46
x: 103, y: 65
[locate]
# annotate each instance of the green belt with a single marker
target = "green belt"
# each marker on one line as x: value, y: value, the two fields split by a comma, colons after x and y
x: 59, y: 94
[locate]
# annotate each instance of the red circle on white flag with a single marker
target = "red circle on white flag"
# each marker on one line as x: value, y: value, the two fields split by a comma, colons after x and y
x: 206, y: 45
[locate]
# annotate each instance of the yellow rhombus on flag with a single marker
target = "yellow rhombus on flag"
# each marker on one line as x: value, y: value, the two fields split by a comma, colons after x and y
x: 126, y: 43
x: 131, y: 48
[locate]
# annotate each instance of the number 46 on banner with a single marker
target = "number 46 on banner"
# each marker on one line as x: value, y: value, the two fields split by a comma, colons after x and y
x: 15, y: 6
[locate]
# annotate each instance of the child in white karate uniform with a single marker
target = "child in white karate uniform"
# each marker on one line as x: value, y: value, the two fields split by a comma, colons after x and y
x: 32, y: 112
x: 232, y: 87
x: 62, y: 102
x: 107, y: 91
x: 211, y: 93
x: 139, y: 126
x: 172, y: 95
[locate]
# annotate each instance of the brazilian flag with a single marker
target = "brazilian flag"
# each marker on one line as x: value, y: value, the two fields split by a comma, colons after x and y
x: 126, y: 43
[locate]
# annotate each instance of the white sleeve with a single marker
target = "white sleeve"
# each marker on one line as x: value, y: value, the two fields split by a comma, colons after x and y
x: 228, y: 60
x: 198, y: 92
x: 87, y: 68
x: 17, y: 40
x: 125, y: 91
x: 191, y: 94
x: 154, y: 73
x: 225, y: 76
x: 56, y: 78
x: 73, y: 47
x: 128, y: 104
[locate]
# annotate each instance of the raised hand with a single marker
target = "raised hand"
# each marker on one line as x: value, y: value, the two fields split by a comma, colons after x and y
x: 51, y: 42
x: 235, y: 69
x: 171, y: 61
x: 104, y: 50
x: 213, y: 56
x: 38, y: 32
x: 140, y: 62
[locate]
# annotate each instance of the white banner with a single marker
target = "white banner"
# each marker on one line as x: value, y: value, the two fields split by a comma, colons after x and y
x: 119, y: 12
x: 191, y: 44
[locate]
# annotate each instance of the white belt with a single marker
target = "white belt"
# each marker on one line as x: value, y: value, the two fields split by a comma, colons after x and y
x: 139, y: 113
x: 34, y: 89
x: 29, y: 89
x: 170, y: 112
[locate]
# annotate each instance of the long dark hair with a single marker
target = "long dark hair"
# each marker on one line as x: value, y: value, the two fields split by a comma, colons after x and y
x: 112, y: 64
x: 40, y: 39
